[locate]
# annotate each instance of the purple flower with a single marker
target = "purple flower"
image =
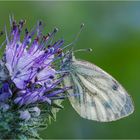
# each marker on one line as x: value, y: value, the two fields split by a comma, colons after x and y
x: 31, y: 80
x: 30, y: 64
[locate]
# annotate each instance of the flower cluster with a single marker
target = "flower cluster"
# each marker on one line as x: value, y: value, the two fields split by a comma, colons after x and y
x: 30, y: 80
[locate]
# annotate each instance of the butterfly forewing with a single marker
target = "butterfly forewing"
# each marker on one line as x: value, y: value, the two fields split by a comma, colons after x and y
x: 101, y: 97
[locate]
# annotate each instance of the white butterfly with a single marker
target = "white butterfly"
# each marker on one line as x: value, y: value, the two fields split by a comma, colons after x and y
x: 101, y: 97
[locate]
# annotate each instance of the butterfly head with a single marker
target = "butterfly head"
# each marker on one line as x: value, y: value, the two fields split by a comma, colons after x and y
x: 68, y: 59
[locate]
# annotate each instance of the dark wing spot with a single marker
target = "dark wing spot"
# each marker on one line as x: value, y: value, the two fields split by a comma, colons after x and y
x: 115, y: 86
x: 107, y: 105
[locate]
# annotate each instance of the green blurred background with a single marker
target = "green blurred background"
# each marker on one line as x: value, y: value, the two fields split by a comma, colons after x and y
x: 112, y: 29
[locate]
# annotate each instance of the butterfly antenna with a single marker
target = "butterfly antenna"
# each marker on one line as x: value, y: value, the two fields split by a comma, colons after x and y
x: 40, y: 27
x: 76, y: 38
x: 84, y: 50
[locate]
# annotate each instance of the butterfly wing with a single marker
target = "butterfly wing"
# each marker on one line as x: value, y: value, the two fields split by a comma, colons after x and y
x: 101, y: 98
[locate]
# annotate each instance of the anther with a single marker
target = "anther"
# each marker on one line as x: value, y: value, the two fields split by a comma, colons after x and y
x: 37, y: 39
x: 55, y: 30
x: 49, y: 34
x: 22, y: 22
x: 26, y: 31
x: 59, y: 51
x: 1, y: 33
x: 40, y: 23
x: 29, y: 84
x: 14, y: 22
x: 49, y: 46
x: 46, y: 51
x: 82, y: 25
x: 45, y: 37
x: 38, y: 70
x: 14, y: 25
x: 36, y: 79
x: 29, y: 40
x: 89, y: 49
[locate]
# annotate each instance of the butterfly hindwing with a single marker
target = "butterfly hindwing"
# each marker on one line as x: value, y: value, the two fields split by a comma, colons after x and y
x: 101, y: 97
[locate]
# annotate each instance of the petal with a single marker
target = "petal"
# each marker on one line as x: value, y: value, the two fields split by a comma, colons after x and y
x: 31, y: 98
x: 46, y: 72
x: 19, y: 83
x: 17, y: 100
x: 9, y: 68
x: 49, y: 59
